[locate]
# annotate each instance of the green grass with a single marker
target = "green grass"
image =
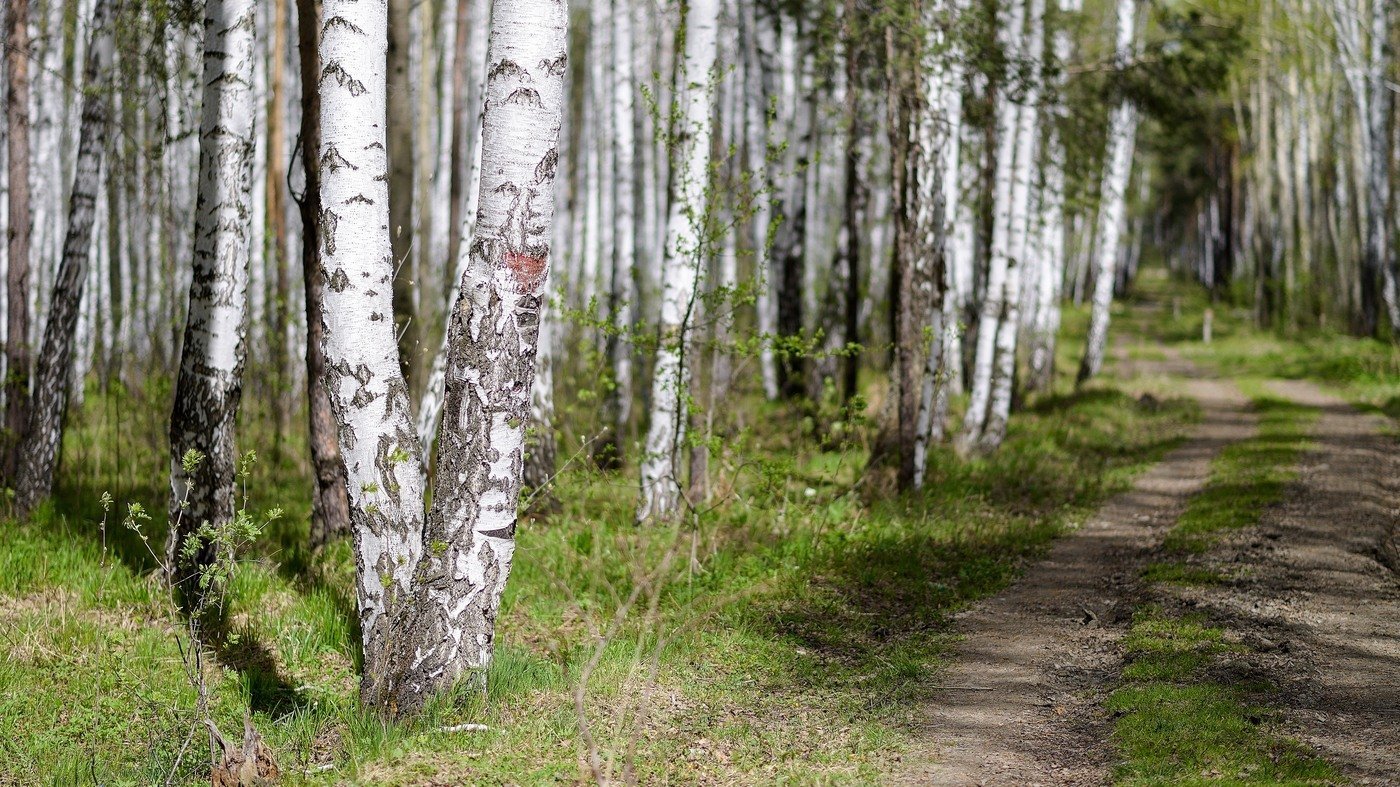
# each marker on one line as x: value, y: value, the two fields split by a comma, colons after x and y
x: 1181, y: 719
x: 1246, y: 477
x: 799, y: 622
x: 1182, y: 715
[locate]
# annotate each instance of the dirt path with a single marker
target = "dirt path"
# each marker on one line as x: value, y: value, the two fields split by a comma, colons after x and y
x: 1311, y: 596
x: 1313, y: 591
x: 1024, y: 690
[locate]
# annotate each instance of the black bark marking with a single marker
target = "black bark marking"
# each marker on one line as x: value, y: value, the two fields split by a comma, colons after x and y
x: 359, y: 199
x: 545, y: 170
x: 526, y: 96
x: 342, y: 77
x: 342, y: 22
x: 339, y: 281
x: 331, y: 160
x: 557, y: 67
x: 507, y: 68
x: 329, y: 223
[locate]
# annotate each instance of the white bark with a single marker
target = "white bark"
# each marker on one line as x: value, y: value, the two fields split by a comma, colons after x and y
x: 685, y: 254
x: 1045, y: 324
x: 759, y: 41
x: 367, y: 390
x: 1019, y: 231
x: 1122, y: 128
x: 448, y: 631
x: 993, y: 301
x: 211, y: 362
x: 621, y: 298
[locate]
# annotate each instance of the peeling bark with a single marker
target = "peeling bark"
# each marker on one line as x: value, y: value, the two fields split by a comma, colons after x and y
x: 447, y: 632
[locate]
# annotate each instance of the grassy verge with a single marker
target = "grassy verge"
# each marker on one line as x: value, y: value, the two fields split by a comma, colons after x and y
x: 783, y: 636
x: 1182, y: 716
x: 1247, y: 476
x: 1182, y: 720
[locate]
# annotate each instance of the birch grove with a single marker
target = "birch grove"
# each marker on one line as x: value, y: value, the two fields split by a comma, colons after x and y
x: 681, y: 262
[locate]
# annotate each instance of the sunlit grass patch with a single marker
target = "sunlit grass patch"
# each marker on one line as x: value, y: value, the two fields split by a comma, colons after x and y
x: 1177, y: 724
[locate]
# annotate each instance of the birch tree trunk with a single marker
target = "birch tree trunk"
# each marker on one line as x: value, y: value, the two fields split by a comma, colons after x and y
x: 939, y: 137
x: 994, y: 299
x: 758, y: 46
x: 1122, y: 128
x: 1022, y: 195
x: 685, y: 253
x: 52, y: 378
x: 368, y: 394
x: 330, y: 503
x: 1051, y: 248
x: 211, y: 361
x: 19, y: 226
x: 447, y: 633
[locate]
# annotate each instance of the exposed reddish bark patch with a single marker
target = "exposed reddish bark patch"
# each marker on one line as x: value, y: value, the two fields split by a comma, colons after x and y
x: 529, y: 271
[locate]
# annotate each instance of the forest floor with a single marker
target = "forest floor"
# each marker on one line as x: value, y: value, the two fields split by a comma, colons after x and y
x: 1233, y: 617
x: 1165, y: 577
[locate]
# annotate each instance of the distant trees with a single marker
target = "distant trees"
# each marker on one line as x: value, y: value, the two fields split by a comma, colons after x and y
x: 802, y: 210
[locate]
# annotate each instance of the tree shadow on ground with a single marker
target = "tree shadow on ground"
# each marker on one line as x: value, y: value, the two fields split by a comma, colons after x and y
x: 874, y: 607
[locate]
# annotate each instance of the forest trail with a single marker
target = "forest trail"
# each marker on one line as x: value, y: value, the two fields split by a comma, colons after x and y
x: 1023, y: 690
x: 1022, y: 701
x: 1320, y: 602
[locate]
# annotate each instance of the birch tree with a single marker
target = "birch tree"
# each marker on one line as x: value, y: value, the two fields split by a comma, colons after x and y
x: 939, y: 143
x: 330, y: 504
x: 624, y: 232
x: 992, y: 311
x: 54, y: 371
x: 367, y: 390
x: 448, y: 632
x: 1018, y: 232
x: 429, y: 590
x: 209, y: 386
x: 1122, y: 129
x: 684, y: 255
